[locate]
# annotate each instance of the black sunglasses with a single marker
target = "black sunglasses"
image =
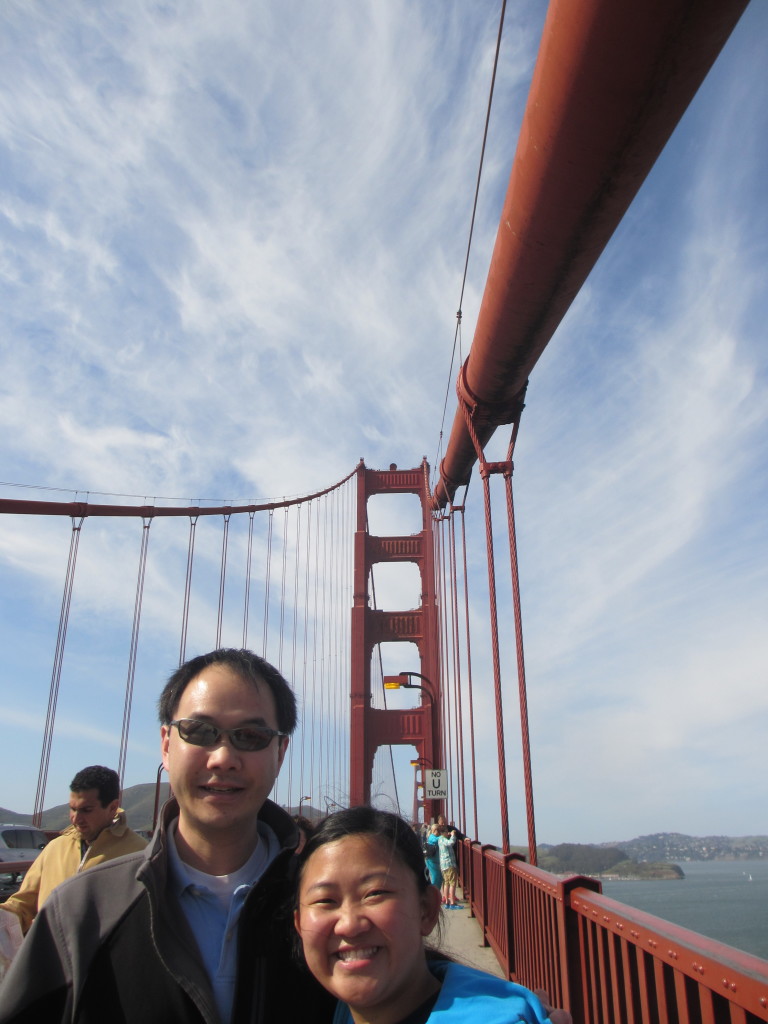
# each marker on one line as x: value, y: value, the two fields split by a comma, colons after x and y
x: 245, y: 737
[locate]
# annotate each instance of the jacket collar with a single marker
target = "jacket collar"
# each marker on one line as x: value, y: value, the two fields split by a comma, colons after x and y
x: 278, y: 820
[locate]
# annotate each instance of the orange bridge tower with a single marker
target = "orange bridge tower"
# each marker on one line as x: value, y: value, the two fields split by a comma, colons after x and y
x: 372, y: 727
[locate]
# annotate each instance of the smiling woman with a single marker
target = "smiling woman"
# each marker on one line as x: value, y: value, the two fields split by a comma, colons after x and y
x: 364, y: 907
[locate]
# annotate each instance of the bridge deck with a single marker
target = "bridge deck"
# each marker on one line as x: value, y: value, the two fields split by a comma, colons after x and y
x: 462, y: 940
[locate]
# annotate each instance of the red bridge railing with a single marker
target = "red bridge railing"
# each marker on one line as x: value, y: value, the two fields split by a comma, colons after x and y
x: 605, y: 962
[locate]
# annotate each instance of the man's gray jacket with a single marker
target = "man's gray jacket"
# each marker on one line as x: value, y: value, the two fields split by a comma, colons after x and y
x: 112, y: 944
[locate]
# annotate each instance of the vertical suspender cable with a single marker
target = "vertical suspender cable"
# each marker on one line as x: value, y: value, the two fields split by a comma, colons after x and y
x: 447, y: 661
x: 281, y: 628
x: 349, y: 576
x: 457, y: 672
x: 441, y: 755
x: 294, y: 640
x: 146, y: 523
x: 333, y: 638
x: 494, y: 623
x: 315, y: 613
x: 342, y: 673
x: 324, y: 706
x: 503, y: 798
x: 321, y: 556
x: 304, y: 671
x: 222, y: 578
x: 447, y: 692
x: 476, y: 833
x: 283, y: 574
x: 267, y: 576
x: 523, y: 695
x: 247, y: 598
x: 187, y: 590
x: 342, y: 613
x: 58, y: 658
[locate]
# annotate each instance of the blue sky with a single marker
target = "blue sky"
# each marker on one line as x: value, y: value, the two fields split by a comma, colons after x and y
x: 231, y: 246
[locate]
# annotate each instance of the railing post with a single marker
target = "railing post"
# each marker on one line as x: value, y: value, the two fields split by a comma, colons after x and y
x: 572, y: 995
x: 465, y: 870
x: 509, y: 892
x: 483, y: 889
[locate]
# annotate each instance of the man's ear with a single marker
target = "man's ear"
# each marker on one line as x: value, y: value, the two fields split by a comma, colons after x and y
x: 281, y: 752
x: 165, y: 736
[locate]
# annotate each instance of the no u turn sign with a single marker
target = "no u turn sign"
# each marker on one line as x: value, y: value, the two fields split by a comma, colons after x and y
x: 436, y: 784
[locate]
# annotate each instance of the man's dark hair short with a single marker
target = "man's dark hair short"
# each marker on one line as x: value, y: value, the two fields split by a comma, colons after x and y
x: 248, y: 666
x: 96, y: 776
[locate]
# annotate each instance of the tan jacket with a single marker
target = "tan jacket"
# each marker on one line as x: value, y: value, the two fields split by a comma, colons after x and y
x: 61, y: 859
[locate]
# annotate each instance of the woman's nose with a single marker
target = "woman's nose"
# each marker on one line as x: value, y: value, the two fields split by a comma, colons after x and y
x: 351, y: 920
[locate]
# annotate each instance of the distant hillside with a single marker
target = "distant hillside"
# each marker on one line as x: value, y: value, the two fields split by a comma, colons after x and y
x: 138, y: 803
x: 600, y: 858
x: 673, y: 846
x: 582, y: 859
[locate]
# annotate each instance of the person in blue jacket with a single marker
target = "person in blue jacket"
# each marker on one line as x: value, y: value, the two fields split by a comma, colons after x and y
x: 363, y: 908
x: 432, y: 857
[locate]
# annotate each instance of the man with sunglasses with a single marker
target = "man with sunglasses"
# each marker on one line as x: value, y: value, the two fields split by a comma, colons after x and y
x: 195, y: 928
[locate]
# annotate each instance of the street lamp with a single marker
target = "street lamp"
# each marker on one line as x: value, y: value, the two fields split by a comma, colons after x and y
x: 404, y: 680
x: 400, y: 680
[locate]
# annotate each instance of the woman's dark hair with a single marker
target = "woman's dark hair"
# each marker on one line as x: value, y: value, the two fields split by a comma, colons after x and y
x: 369, y: 821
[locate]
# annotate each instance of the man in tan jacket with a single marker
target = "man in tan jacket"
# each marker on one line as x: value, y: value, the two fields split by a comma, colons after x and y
x: 98, y: 832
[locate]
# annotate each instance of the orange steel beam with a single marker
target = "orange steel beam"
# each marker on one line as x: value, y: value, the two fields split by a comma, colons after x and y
x: 84, y: 509
x: 612, y: 79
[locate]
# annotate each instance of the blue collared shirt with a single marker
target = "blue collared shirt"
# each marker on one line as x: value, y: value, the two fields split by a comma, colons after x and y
x: 212, y: 905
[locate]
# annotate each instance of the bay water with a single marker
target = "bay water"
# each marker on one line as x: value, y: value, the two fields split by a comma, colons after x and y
x: 725, y: 900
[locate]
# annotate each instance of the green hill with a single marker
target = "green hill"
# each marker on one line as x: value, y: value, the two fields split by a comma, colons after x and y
x: 577, y: 859
x: 138, y: 804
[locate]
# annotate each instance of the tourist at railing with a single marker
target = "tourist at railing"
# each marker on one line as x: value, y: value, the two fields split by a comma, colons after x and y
x: 363, y: 908
x: 432, y: 857
x: 446, y: 841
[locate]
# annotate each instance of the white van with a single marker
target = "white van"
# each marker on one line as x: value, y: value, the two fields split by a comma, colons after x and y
x: 21, y: 842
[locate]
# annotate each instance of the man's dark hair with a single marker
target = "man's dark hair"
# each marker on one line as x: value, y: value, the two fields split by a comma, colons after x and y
x: 96, y: 776
x: 248, y: 666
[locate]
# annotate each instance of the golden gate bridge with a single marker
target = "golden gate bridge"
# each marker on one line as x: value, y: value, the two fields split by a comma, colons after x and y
x: 296, y: 578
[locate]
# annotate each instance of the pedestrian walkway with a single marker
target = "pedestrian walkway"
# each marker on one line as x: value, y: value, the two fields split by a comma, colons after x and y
x: 462, y: 940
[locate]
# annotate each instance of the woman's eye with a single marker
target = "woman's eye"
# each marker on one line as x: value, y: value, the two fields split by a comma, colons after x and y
x: 323, y: 901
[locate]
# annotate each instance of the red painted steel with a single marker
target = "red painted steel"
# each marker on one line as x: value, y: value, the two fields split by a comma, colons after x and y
x: 498, y: 907
x: 612, y: 80
x: 16, y: 867
x: 604, y: 962
x: 371, y: 728
x: 83, y: 509
x: 694, y: 977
